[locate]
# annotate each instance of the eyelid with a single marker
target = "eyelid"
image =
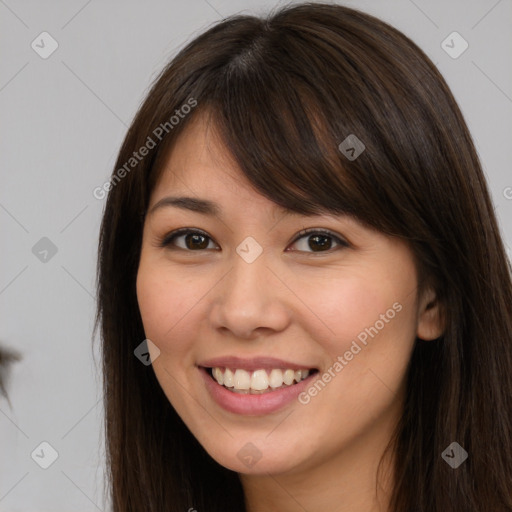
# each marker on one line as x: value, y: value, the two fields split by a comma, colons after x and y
x: 321, y: 231
x: 168, y: 238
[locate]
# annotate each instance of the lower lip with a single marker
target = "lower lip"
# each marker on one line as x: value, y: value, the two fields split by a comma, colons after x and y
x: 253, y: 405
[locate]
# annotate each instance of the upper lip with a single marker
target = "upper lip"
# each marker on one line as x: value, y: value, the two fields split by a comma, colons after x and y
x: 252, y: 364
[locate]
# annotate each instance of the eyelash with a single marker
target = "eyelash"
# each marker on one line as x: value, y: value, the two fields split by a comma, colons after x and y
x: 166, y: 242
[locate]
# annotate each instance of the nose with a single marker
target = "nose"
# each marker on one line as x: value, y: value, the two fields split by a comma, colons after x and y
x: 250, y: 300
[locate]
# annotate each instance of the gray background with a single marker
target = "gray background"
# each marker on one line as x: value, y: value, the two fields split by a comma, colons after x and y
x: 63, y: 120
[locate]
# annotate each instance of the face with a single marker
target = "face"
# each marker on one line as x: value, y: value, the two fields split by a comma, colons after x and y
x: 245, y: 292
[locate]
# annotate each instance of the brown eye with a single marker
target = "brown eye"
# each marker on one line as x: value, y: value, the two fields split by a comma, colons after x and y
x: 314, y: 240
x: 196, y: 241
x: 321, y: 242
x: 193, y: 240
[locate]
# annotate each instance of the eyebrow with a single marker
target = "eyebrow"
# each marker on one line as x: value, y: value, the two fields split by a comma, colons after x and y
x: 205, y: 206
x: 194, y: 204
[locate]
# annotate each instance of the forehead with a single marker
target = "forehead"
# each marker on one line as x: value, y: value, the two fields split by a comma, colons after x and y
x: 199, y: 174
x: 199, y: 162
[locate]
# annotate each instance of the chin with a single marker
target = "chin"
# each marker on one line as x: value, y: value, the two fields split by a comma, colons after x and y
x: 256, y: 458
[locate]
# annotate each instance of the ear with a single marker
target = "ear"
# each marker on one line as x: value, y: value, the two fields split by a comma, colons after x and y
x: 430, y: 317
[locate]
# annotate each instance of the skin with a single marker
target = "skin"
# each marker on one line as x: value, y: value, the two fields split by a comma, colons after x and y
x: 292, y: 303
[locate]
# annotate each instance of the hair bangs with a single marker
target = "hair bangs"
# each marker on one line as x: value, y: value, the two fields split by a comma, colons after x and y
x: 283, y: 141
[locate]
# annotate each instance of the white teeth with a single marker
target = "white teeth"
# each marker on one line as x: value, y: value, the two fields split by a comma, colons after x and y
x: 288, y: 377
x: 259, y: 381
x: 218, y: 375
x: 228, y: 378
x: 276, y: 379
x: 242, y: 380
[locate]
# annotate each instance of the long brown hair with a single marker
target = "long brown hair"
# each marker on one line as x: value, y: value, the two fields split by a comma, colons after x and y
x: 284, y: 91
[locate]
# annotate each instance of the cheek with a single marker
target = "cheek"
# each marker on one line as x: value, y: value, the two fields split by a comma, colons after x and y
x: 163, y: 300
x: 171, y: 304
x: 367, y: 318
x: 345, y: 307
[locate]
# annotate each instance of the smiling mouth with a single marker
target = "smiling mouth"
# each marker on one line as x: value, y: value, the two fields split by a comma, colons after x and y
x: 259, y: 381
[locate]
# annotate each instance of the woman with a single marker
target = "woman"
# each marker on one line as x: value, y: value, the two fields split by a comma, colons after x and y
x: 371, y: 377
